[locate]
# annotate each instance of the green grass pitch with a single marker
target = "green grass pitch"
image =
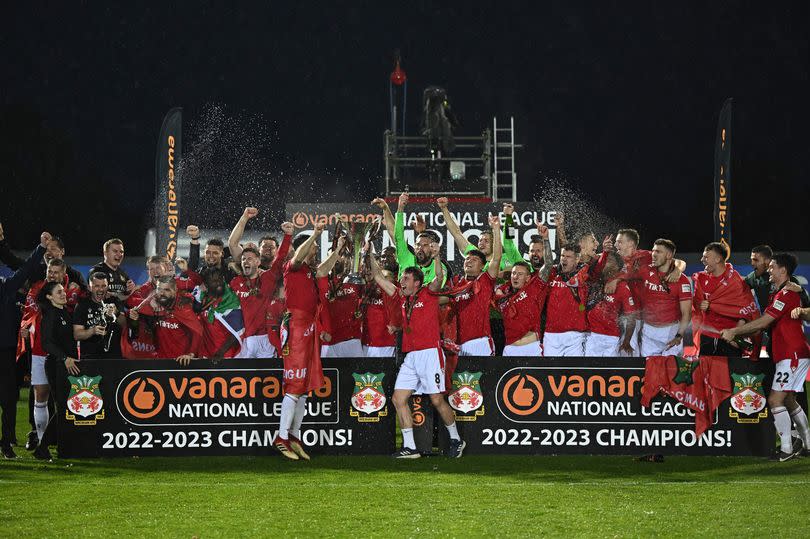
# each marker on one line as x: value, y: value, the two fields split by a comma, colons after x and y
x: 380, y: 497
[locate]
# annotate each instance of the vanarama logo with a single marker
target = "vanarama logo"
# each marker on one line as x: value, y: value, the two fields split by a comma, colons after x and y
x: 417, y: 410
x: 217, y: 397
x: 171, y: 201
x: 144, y: 398
x: 307, y: 220
x: 562, y: 394
x: 520, y: 399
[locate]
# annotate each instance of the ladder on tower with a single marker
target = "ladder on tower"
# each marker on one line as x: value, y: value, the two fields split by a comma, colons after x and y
x: 504, y: 177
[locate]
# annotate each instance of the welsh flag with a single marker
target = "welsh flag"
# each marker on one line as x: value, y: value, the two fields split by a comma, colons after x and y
x: 699, y: 383
x: 227, y: 310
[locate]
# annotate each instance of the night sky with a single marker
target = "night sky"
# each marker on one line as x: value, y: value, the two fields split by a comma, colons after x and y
x: 619, y: 102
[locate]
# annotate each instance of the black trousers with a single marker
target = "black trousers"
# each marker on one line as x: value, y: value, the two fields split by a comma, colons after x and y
x: 57, y: 375
x: 709, y: 346
x: 9, y: 394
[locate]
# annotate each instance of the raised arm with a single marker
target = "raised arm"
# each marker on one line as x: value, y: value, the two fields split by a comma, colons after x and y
x: 548, y: 256
x: 511, y: 253
x: 387, y: 286
x: 193, y: 232
x: 452, y: 226
x: 29, y: 268
x: 388, y: 217
x: 303, y: 249
x: 239, y: 230
x: 497, y: 247
x: 404, y: 256
x: 436, y: 284
x: 326, y: 266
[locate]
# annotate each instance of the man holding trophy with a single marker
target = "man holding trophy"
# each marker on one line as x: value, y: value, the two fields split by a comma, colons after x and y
x: 342, y: 290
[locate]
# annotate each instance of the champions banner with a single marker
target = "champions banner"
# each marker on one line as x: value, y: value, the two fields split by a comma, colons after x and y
x: 167, y: 184
x: 593, y: 406
x: 155, y: 407
x: 528, y: 406
x: 470, y: 216
x: 722, y: 177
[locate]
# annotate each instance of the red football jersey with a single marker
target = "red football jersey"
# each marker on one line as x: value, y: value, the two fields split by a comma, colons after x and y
x: 604, y: 317
x: 254, y: 296
x: 472, y: 307
x: 300, y: 288
x: 787, y: 335
x: 521, y: 309
x: 172, y: 338
x: 633, y: 272
x: 662, y: 300
x: 378, y: 316
x: 565, y: 306
x: 343, y: 309
x: 420, y: 329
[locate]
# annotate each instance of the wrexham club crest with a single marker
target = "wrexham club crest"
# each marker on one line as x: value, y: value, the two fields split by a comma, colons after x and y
x: 84, y: 400
x: 368, y: 399
x: 466, y: 398
x: 748, y: 400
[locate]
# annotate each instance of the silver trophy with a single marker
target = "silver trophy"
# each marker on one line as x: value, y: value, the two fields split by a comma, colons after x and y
x: 356, y: 235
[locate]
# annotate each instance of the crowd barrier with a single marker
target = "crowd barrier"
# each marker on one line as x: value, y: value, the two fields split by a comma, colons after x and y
x: 527, y: 406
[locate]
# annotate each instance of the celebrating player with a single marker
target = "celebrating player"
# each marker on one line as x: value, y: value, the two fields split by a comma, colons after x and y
x: 422, y: 372
x: 791, y: 354
x: 611, y: 315
x: 256, y: 289
x: 520, y: 302
x: 667, y: 306
x: 301, y: 348
x: 721, y: 301
x: 565, y: 307
x: 472, y: 294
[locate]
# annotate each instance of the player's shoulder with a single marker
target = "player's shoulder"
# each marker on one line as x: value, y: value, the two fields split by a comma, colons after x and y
x: 787, y: 296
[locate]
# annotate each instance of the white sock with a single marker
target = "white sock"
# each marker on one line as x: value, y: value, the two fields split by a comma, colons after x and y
x: 300, y: 412
x: 407, y: 439
x: 800, y: 419
x: 287, y: 415
x: 781, y: 420
x: 453, y: 430
x: 41, y: 416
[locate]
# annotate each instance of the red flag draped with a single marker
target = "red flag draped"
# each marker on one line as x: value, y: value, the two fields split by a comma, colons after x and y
x: 700, y: 384
x: 733, y: 298
x: 145, y: 346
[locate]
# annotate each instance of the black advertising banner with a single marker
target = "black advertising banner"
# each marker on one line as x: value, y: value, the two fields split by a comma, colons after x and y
x: 593, y: 406
x: 155, y: 407
x: 722, y: 177
x: 167, y: 183
x: 526, y: 406
x: 470, y: 216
